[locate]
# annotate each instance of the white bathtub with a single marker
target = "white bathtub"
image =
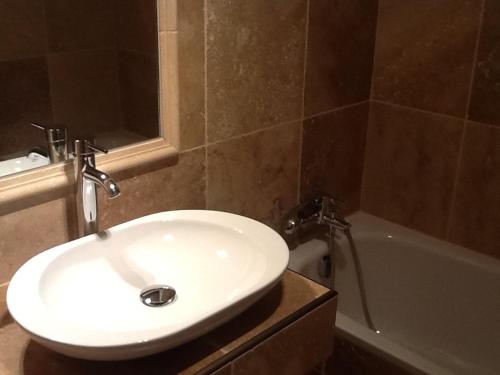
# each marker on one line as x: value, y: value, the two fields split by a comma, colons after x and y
x: 437, y: 305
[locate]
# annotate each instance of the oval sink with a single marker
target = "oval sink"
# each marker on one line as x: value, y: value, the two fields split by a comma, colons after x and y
x: 146, y: 285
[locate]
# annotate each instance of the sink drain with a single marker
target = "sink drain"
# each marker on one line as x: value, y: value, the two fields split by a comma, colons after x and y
x: 158, y: 295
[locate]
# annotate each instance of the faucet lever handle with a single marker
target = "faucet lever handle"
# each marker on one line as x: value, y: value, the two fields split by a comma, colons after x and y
x: 96, y: 148
x: 38, y: 126
x: 85, y: 147
x: 55, y: 133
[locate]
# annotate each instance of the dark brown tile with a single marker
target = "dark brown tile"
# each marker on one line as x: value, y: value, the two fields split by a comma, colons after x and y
x: 485, y: 97
x: 333, y: 154
x: 138, y: 81
x: 475, y: 221
x: 410, y: 165
x: 296, y: 349
x: 191, y: 73
x: 137, y: 25
x: 351, y: 359
x: 73, y: 26
x: 22, y: 30
x: 341, y: 41
x: 24, y: 98
x: 85, y: 93
x: 168, y: 188
x: 255, y: 63
x: 255, y: 175
x: 424, y: 53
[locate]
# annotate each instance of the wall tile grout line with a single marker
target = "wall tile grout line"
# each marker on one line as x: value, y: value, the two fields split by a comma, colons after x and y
x: 417, y: 110
x: 474, y: 62
x: 303, y: 109
x: 205, y: 47
x: 465, y: 122
x: 275, y: 126
x: 372, y: 78
x: 363, y: 173
x: 46, y: 58
x: 319, y: 114
x: 455, y: 181
x: 188, y: 150
x: 478, y: 123
x: 370, y: 99
x: 337, y: 109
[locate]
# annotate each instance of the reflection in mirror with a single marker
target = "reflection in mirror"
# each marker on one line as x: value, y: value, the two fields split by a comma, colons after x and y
x: 85, y: 69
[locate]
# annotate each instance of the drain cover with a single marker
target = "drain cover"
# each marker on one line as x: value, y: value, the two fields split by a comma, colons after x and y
x: 158, y: 295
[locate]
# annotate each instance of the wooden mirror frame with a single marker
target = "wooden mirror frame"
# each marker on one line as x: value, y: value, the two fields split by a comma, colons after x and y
x: 25, y: 185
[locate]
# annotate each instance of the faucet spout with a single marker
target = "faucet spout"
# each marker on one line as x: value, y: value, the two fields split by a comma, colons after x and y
x: 88, y: 178
x: 102, y: 179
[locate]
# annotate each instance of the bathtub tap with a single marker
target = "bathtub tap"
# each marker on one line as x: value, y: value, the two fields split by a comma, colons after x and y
x: 328, y: 210
x: 318, y: 211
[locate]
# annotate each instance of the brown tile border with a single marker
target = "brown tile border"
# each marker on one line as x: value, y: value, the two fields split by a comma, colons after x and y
x: 296, y: 349
x: 4, y: 313
x: 252, y: 343
x: 287, y: 302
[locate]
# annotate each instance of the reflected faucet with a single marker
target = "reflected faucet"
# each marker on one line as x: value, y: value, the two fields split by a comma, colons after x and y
x: 56, y: 138
x: 87, y: 179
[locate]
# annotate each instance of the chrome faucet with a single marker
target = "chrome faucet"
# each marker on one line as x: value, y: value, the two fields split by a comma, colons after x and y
x: 87, y: 178
x: 57, y: 144
x: 320, y: 210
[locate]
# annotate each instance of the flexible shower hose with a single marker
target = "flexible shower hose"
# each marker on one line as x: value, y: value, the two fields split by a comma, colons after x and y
x: 359, y: 274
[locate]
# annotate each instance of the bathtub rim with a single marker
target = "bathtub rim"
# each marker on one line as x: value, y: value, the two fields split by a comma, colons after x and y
x: 374, y: 226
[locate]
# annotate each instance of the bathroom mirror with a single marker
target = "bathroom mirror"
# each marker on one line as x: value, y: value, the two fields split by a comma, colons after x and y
x: 104, y: 69
x: 88, y: 66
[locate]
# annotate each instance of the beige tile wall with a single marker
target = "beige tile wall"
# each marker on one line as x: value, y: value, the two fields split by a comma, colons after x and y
x: 265, y: 121
x: 242, y: 82
x: 255, y: 65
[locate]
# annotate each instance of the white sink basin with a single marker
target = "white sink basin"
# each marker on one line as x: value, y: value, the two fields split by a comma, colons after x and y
x: 83, y: 298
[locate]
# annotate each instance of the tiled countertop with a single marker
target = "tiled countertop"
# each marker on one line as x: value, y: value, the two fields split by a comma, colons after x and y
x: 290, y: 299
